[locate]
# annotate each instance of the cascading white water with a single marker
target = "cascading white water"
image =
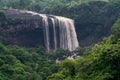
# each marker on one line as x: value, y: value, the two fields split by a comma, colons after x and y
x: 68, y: 38
x: 46, y: 31
x: 67, y: 34
x: 54, y: 31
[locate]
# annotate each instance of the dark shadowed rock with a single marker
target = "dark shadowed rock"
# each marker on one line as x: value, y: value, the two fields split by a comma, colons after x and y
x: 22, y: 28
x: 95, y: 20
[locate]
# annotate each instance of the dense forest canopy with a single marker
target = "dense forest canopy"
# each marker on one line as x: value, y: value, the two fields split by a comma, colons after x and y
x: 41, y: 5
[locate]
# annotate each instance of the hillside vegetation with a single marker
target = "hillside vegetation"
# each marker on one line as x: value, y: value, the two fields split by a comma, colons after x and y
x: 42, y: 5
x: 100, y: 63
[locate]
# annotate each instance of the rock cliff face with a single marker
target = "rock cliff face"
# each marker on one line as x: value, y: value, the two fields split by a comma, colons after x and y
x: 23, y: 29
x: 27, y: 28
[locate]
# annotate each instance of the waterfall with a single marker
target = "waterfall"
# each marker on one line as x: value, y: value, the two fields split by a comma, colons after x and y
x: 54, y: 31
x: 63, y: 31
x: 68, y: 37
x: 46, y: 31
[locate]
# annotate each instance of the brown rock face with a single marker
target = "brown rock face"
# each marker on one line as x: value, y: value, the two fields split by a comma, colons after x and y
x: 22, y: 28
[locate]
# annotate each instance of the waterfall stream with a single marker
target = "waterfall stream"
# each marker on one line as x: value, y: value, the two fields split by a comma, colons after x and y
x: 64, y: 34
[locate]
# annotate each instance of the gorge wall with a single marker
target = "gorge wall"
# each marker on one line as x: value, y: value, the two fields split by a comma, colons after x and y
x: 27, y: 28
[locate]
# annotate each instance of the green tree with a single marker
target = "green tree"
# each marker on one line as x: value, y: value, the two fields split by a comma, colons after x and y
x: 116, y: 29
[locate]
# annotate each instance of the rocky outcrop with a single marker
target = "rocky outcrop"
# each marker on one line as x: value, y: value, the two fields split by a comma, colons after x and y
x: 27, y: 28
x: 21, y: 28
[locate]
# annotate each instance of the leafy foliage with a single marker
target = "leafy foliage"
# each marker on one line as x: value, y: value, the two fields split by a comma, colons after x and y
x: 42, y: 5
x: 18, y: 63
x: 100, y: 63
x: 116, y: 29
